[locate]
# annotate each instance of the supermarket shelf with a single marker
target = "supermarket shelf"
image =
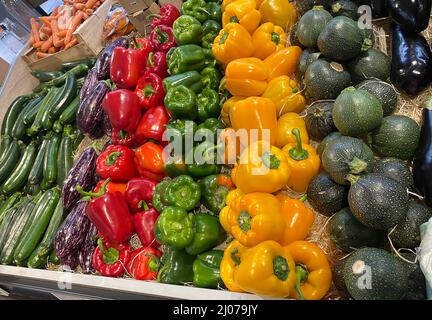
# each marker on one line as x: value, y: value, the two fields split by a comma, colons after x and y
x: 63, y: 285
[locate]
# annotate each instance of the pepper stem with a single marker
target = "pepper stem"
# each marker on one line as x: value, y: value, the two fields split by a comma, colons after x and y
x: 153, y: 263
x: 275, y: 38
x: 235, y: 256
x: 234, y: 19
x: 162, y: 36
x: 298, y: 153
x: 112, y: 158
x: 270, y: 160
x: 301, y: 276
x: 88, y: 195
x: 123, y: 134
x: 142, y: 204
x: 280, y: 268
x: 111, y: 255
x: 135, y: 43
x: 244, y: 221
x: 150, y: 61
x: 303, y: 198
x: 148, y: 91
x: 224, y: 37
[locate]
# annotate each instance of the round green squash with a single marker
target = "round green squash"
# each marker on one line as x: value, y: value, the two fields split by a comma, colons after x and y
x: 416, y: 279
x: 356, y: 112
x: 311, y: 24
x: 326, y: 141
x: 347, y: 156
x: 407, y: 232
x: 370, y: 64
x: 398, y: 137
x: 374, y: 274
x: 377, y: 201
x: 396, y: 169
x: 342, y: 40
x: 307, y: 57
x: 325, y: 80
x: 319, y: 119
x: 345, y: 8
x: 326, y: 196
x: 383, y: 91
x: 338, y: 280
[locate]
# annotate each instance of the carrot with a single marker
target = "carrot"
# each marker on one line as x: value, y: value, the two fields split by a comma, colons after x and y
x: 38, y: 44
x: 97, y: 4
x: 47, y: 45
x: 85, y: 16
x: 47, y: 30
x: 90, y: 3
x: 89, y: 12
x: 31, y: 39
x: 76, y: 20
x: 52, y: 50
x: 35, y: 29
x: 43, y: 36
x: 55, y: 32
x: 55, y: 11
x: 71, y: 43
x: 41, y: 55
x: 79, y: 6
x: 45, y: 20
x: 62, y: 33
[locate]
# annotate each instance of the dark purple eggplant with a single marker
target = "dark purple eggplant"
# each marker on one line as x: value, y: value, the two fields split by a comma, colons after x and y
x: 411, y: 67
x: 103, y: 61
x: 69, y: 262
x: 90, y: 112
x: 85, y: 253
x: 82, y: 174
x: 72, y: 233
x: 412, y: 15
x: 422, y: 165
x: 90, y: 82
x: 378, y: 7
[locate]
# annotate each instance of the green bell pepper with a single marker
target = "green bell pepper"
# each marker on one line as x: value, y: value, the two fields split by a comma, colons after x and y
x: 158, y: 202
x: 187, y: 30
x: 181, y: 102
x: 181, y: 130
x: 208, y: 104
x: 208, y: 234
x: 182, y: 192
x: 211, y: 77
x: 188, y: 57
x: 206, y: 164
x: 209, y: 129
x: 177, y: 267
x: 209, y: 60
x: 174, y: 166
x: 211, y: 29
x: 197, y: 9
x: 214, y: 191
x: 175, y: 227
x: 206, y: 269
x: 190, y: 79
x: 215, y: 11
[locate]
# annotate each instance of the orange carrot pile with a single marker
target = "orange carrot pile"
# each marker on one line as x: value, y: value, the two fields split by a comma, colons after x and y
x: 54, y: 33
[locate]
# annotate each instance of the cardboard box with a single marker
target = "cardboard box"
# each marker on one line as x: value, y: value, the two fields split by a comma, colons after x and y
x: 134, y: 6
x: 139, y: 19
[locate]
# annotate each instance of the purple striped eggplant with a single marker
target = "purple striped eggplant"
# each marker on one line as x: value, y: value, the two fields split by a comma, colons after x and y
x: 85, y: 253
x: 103, y: 61
x: 69, y: 262
x: 89, y: 83
x: 81, y: 174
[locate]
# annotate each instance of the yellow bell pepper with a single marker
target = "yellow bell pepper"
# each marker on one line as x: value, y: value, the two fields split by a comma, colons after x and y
x: 303, y: 162
x: 298, y: 219
x: 243, y: 12
x: 280, y: 12
x: 261, y: 168
x: 267, y: 269
x: 227, y: 2
x: 253, y: 217
x: 229, y: 263
x: 255, y: 113
x: 232, y: 42
x: 246, y: 77
x: 285, y: 124
x: 283, y: 62
x: 267, y: 39
x: 313, y: 273
x: 226, y: 108
x: 285, y: 94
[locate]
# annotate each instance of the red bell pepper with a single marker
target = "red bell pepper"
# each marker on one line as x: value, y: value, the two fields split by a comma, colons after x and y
x: 152, y: 125
x: 150, y: 175
x: 116, y: 163
x: 143, y: 44
x: 168, y: 14
x: 123, y: 138
x: 162, y: 39
x: 157, y: 63
x: 123, y: 108
x: 110, y: 214
x: 128, y: 65
x: 150, y: 90
x: 139, y: 191
x: 111, y: 187
x: 111, y: 260
x: 150, y: 157
x: 144, y: 263
x: 144, y: 223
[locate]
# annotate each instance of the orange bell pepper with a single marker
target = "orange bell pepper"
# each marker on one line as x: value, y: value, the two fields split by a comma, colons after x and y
x: 283, y: 62
x: 243, y: 12
x: 298, y: 218
x: 226, y: 108
x: 280, y: 12
x: 261, y: 168
x: 313, y: 273
x: 267, y: 39
x: 252, y: 218
x: 285, y: 124
x: 233, y: 42
x: 149, y: 157
x: 255, y: 113
x: 303, y: 161
x: 111, y: 187
x: 285, y: 94
x: 246, y: 77
x: 229, y: 264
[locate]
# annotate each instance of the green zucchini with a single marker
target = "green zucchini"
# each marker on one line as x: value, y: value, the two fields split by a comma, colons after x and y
x: 12, y: 114
x: 6, y: 224
x: 19, y: 128
x: 10, y: 161
x: 44, y: 76
x: 9, y: 203
x: 4, y: 145
x: 57, y: 127
x: 44, y: 185
x: 50, y: 159
x: 64, y: 97
x: 39, y: 256
x: 42, y: 112
x: 37, y: 224
x: 68, y: 115
x: 30, y: 115
x: 72, y: 64
x: 19, y: 176
x: 36, y: 172
x: 6, y: 253
x: 31, y: 189
x: 53, y: 258
x: 64, y: 158
x: 372, y: 64
x: 78, y: 71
